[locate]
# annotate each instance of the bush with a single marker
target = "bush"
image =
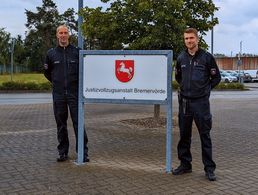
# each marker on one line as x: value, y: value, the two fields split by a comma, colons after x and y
x: 31, y: 86
x: 14, y: 85
x: 175, y: 85
x: 221, y: 86
x: 45, y: 86
x: 237, y: 86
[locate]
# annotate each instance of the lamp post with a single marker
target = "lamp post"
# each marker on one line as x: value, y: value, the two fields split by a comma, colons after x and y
x: 241, y: 47
x: 232, y: 61
x: 212, y: 38
x: 239, y: 63
x: 12, y: 52
x: 80, y: 39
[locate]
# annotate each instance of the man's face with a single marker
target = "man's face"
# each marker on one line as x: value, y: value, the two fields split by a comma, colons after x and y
x: 191, y: 41
x: 63, y: 36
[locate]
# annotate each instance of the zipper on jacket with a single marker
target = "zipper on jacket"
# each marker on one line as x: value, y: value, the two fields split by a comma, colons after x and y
x: 190, y: 75
x: 65, y: 70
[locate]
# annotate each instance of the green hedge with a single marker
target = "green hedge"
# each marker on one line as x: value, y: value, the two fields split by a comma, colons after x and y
x: 13, y: 85
x: 235, y: 86
x: 221, y: 86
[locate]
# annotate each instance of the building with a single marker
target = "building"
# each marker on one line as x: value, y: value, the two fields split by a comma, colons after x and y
x: 231, y: 63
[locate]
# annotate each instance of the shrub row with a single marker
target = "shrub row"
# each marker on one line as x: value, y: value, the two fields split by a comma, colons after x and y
x: 221, y: 86
x: 234, y: 86
x: 13, y: 85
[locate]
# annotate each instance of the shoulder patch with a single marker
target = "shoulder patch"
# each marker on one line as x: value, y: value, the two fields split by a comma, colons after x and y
x: 213, y: 71
x: 45, y: 66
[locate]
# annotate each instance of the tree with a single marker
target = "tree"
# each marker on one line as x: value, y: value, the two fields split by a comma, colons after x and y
x: 200, y: 14
x: 4, y: 48
x: 146, y: 24
x: 41, y: 34
x: 20, y: 53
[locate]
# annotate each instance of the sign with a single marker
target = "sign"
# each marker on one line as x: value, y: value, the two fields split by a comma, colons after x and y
x: 133, y: 77
x: 239, y: 62
x: 125, y: 76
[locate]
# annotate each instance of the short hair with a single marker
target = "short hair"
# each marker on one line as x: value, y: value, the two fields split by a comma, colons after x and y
x: 192, y: 30
x: 61, y: 26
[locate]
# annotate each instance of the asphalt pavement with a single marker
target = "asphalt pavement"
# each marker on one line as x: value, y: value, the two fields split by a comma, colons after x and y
x: 125, y: 159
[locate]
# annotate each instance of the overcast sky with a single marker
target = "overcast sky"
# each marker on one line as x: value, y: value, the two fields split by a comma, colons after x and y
x: 238, y: 21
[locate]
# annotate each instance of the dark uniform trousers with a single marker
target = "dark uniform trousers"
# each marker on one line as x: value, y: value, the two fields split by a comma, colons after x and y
x: 199, y: 111
x: 61, y: 106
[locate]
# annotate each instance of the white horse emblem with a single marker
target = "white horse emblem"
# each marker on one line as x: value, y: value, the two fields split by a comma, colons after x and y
x: 122, y: 68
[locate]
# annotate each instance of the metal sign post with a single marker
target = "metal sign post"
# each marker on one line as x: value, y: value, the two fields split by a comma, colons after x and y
x: 127, y: 77
x: 80, y: 106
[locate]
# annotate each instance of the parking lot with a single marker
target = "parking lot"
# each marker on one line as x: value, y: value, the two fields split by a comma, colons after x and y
x: 125, y: 159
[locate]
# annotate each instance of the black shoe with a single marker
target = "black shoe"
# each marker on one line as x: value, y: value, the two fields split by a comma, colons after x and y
x: 62, y: 158
x: 181, y: 170
x: 86, y: 159
x: 210, y: 175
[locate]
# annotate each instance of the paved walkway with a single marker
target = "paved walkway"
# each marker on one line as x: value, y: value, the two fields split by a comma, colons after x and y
x: 125, y: 159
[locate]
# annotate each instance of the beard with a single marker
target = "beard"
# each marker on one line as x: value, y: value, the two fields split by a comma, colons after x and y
x: 191, y: 46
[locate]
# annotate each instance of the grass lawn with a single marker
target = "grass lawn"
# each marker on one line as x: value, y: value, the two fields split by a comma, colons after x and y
x: 31, y: 77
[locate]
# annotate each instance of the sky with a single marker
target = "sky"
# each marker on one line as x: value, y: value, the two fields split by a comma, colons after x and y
x: 237, y: 29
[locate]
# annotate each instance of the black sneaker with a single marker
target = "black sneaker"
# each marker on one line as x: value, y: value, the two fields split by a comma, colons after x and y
x: 181, y: 170
x: 86, y: 159
x: 62, y: 158
x: 210, y: 175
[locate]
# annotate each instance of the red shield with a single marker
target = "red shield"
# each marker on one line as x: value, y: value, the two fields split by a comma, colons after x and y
x: 124, y: 70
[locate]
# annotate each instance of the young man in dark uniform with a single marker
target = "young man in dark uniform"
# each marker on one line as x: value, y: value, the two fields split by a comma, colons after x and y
x: 197, y: 74
x: 62, y: 70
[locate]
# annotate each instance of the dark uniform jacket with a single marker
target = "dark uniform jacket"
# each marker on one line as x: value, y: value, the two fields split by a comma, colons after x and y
x: 61, y: 69
x: 197, y: 74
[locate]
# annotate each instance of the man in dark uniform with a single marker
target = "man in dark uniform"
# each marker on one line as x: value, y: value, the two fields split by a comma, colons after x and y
x: 61, y: 69
x: 197, y: 73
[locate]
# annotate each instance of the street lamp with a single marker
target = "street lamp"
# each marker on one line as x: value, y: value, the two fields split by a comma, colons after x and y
x: 239, y: 62
x: 12, y: 52
x: 212, y: 36
x: 241, y: 47
x: 80, y: 39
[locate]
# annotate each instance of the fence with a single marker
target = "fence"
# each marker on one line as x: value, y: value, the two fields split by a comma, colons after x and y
x: 6, y: 69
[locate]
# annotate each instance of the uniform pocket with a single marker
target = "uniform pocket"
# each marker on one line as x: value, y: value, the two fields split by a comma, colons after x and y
x: 56, y: 73
x: 73, y: 70
x: 198, y: 72
x: 73, y: 66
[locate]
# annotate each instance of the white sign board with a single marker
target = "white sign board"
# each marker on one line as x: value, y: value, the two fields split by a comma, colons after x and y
x: 133, y: 77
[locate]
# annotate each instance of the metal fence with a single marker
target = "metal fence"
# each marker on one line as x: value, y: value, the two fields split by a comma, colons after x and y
x: 6, y: 69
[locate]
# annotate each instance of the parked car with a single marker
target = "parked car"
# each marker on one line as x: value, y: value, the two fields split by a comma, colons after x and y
x: 225, y: 77
x: 253, y: 74
x: 229, y: 78
x: 234, y: 75
x: 238, y: 76
x: 247, y: 78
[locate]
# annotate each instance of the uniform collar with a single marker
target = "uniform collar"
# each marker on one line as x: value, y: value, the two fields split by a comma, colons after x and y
x: 62, y: 48
x: 196, y: 53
